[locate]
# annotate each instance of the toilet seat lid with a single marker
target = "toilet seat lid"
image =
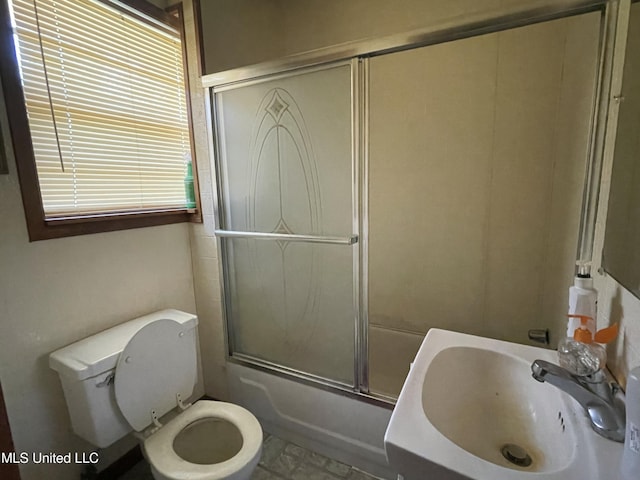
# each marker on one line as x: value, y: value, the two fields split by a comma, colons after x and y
x: 158, y: 363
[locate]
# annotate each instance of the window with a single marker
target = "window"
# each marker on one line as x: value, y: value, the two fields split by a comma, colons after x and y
x: 108, y: 142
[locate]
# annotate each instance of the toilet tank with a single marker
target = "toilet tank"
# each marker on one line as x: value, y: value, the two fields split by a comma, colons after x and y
x: 87, y: 370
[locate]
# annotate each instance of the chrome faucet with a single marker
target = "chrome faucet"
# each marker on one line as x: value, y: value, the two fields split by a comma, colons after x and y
x: 602, y: 401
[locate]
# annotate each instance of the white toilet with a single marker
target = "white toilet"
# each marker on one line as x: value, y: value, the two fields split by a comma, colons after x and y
x: 126, y: 378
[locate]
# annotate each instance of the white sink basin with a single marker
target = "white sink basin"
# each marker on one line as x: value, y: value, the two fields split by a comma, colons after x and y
x: 468, y: 399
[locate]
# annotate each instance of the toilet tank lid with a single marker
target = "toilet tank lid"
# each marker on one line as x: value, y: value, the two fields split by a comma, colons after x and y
x: 99, y: 353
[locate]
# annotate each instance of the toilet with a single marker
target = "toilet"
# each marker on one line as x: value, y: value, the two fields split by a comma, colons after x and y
x: 127, y: 378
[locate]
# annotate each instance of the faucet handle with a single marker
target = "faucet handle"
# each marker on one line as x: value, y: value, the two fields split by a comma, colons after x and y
x: 541, y: 368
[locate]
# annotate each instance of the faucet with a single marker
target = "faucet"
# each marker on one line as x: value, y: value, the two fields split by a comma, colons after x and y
x: 601, y: 400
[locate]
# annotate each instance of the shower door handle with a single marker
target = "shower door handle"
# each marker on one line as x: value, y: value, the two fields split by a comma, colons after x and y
x: 348, y: 240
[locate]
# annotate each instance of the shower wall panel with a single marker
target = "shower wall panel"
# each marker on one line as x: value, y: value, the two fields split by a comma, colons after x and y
x: 478, y: 151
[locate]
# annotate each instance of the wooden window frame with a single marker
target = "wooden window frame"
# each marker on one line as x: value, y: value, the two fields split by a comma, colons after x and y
x: 40, y: 228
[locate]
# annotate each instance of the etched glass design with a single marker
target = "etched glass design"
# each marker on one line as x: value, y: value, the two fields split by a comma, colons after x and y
x: 286, y: 167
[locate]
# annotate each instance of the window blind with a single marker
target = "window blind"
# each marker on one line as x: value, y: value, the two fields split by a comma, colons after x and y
x: 106, y: 103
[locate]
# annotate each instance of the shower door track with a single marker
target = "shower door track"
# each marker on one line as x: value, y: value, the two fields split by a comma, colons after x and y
x: 310, y: 379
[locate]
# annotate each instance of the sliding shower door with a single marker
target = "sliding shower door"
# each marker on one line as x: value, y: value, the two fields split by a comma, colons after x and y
x: 288, y: 220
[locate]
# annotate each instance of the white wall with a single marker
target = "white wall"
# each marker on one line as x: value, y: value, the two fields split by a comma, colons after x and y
x: 616, y: 304
x: 54, y: 292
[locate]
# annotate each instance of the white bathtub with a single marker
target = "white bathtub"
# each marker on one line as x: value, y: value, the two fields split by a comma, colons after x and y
x: 337, y: 426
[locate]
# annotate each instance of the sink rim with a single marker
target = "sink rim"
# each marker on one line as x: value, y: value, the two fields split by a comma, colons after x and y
x: 412, y: 439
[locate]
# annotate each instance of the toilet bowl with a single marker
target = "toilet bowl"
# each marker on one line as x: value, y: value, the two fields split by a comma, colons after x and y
x: 128, y: 377
x: 208, y: 441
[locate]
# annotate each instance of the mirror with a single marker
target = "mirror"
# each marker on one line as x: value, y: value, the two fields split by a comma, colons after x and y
x: 3, y: 155
x: 3, y: 149
x: 621, y: 256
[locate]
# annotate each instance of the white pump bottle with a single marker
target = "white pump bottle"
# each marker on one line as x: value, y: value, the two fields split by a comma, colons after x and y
x: 583, y: 299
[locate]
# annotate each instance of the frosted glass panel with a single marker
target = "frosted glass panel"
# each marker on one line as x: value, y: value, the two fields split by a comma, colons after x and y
x: 291, y: 303
x: 287, y: 168
x: 285, y: 148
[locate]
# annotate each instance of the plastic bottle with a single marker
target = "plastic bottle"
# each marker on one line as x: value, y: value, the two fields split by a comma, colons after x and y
x: 188, y: 184
x: 583, y: 300
x: 630, y: 466
x: 585, y: 354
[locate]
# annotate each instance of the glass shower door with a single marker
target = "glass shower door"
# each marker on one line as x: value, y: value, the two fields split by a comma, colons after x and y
x: 287, y: 220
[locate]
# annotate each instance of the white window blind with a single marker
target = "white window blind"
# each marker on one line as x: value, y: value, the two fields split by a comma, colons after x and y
x: 106, y: 103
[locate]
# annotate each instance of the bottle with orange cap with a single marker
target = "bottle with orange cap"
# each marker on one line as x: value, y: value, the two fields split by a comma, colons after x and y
x: 585, y: 354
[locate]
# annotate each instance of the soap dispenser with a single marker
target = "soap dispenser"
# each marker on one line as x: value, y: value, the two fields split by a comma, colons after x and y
x: 630, y: 466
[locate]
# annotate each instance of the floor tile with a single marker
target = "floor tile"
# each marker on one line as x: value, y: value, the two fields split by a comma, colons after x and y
x: 309, y: 472
x: 284, y: 464
x: 316, y: 459
x: 296, y: 450
x: 272, y: 447
x: 337, y: 468
x: 261, y: 473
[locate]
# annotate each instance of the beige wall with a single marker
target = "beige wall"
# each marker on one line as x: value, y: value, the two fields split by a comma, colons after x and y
x: 475, y: 183
x: 55, y: 292
x: 240, y: 32
x: 244, y: 32
x: 312, y: 24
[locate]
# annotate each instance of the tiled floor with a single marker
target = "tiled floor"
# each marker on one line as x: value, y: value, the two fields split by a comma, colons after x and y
x: 282, y: 460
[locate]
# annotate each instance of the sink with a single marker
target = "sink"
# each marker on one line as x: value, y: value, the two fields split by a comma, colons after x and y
x: 469, y: 408
x: 496, y: 403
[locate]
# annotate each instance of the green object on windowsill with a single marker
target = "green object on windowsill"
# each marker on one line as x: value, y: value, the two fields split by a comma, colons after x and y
x: 188, y: 187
